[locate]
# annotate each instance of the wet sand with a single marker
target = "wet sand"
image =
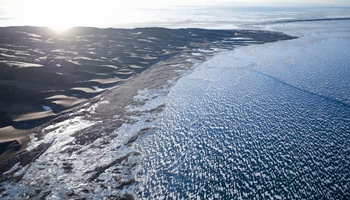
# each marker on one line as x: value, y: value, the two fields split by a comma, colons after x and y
x: 46, y: 78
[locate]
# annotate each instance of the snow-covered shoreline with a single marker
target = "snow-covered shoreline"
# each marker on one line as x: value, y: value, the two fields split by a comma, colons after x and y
x: 88, y: 153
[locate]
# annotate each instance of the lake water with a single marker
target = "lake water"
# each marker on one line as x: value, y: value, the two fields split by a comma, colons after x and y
x: 263, y: 121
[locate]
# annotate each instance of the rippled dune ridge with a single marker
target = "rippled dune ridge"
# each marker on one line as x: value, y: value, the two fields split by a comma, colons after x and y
x: 51, y: 85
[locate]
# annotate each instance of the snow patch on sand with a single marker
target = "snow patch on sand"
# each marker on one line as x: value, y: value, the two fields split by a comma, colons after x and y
x: 151, y: 98
x: 196, y: 54
x: 46, y: 108
x: 61, y: 133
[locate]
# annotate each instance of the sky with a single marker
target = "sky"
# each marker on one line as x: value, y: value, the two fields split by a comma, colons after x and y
x: 61, y: 14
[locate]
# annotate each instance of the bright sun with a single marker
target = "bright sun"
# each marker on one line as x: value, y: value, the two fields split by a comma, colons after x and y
x: 60, y: 15
x: 59, y: 25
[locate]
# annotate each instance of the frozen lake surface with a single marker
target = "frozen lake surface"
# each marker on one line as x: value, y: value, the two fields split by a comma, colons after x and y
x: 262, y: 121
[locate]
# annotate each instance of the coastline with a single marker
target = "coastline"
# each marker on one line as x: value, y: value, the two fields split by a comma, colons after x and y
x: 103, y: 123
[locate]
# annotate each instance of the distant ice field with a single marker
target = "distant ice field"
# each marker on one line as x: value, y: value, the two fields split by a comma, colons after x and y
x: 262, y: 121
x: 235, y: 17
x: 212, y: 17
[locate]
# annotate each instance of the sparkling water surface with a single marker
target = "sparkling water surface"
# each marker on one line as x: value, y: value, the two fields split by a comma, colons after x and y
x: 263, y: 121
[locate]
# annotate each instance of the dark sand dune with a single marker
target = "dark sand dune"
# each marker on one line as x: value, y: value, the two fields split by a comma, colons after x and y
x: 44, y: 74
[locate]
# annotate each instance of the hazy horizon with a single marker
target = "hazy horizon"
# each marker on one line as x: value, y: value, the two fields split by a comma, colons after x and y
x: 61, y: 15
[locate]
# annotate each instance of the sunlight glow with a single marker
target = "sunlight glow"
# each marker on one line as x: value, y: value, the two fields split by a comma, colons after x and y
x: 64, y: 14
